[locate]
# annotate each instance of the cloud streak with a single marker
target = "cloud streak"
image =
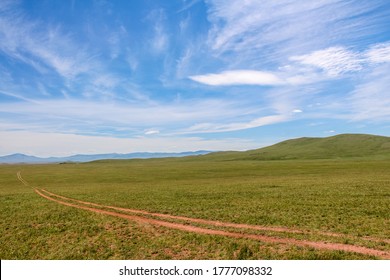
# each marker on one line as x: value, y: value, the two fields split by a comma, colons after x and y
x: 214, y: 128
x: 238, y: 77
x: 370, y: 100
x: 41, y: 47
x: 379, y: 53
x: 18, y: 96
x: 332, y: 62
x: 277, y: 29
x: 86, y: 117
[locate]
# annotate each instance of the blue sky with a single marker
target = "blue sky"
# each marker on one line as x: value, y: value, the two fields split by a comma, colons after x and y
x: 126, y: 76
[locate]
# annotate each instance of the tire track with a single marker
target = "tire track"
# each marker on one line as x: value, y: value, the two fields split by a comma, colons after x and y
x: 185, y: 219
x: 199, y: 230
x: 24, y: 182
x: 214, y: 223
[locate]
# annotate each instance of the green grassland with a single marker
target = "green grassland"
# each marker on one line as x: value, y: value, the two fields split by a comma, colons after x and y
x: 338, y: 146
x: 350, y: 196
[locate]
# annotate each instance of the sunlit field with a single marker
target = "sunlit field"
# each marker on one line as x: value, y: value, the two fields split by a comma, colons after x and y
x: 326, y: 201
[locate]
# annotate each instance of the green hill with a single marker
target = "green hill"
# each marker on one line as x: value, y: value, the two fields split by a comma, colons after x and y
x: 339, y: 146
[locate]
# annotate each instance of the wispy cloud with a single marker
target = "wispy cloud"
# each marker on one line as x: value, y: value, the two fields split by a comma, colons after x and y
x: 160, y: 39
x: 278, y: 29
x: 309, y: 68
x: 32, y: 43
x: 86, y: 117
x: 379, y: 53
x: 187, y: 4
x: 238, y: 77
x: 18, y: 96
x: 213, y: 127
x: 294, y: 86
x: 114, y: 41
x: 334, y: 61
x: 152, y: 132
x: 297, y: 111
x: 370, y: 100
x: 52, y: 51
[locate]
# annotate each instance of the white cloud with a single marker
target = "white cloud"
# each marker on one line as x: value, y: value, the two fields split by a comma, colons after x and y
x: 41, y: 46
x: 379, y: 53
x: 334, y: 60
x: 152, y: 131
x: 106, y: 81
x: 18, y: 96
x: 160, y: 38
x: 297, y: 111
x: 183, y: 64
x: 212, y: 128
x: 87, y: 117
x: 114, y: 40
x: 370, y: 100
x: 238, y: 77
x: 267, y: 120
x: 131, y: 60
x: 188, y: 4
x: 258, y: 31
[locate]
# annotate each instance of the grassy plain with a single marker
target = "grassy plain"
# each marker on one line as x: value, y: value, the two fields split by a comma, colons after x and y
x: 350, y: 197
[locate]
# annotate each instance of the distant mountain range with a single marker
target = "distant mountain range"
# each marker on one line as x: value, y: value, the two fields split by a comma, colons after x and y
x: 22, y: 158
x: 334, y: 147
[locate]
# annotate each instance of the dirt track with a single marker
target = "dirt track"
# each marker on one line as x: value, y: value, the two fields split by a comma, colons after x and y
x: 21, y: 179
x: 215, y: 223
x: 103, y: 209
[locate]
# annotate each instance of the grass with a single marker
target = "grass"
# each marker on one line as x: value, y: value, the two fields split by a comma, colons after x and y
x: 334, y: 147
x: 342, y: 196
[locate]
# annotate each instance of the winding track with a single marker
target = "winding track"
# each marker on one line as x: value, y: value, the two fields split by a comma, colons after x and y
x: 21, y: 179
x: 215, y: 223
x: 93, y: 207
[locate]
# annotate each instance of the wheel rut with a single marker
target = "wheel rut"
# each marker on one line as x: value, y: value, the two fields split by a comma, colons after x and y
x: 157, y: 219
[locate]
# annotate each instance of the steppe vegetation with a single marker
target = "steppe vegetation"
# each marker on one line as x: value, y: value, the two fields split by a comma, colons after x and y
x: 343, y: 200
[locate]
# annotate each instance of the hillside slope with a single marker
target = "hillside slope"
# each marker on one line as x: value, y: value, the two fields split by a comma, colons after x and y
x: 339, y: 146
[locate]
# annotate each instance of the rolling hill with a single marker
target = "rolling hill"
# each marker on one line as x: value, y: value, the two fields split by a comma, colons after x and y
x: 334, y: 147
x: 339, y: 146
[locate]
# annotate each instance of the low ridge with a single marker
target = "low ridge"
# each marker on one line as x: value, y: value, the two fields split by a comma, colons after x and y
x: 333, y: 147
x: 339, y: 146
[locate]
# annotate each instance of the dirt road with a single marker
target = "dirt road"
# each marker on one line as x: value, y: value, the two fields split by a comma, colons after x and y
x: 223, y: 228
